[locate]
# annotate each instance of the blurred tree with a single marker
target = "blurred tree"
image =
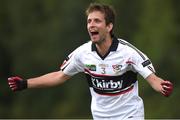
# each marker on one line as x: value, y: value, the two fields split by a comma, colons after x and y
x: 157, y: 36
x: 39, y: 43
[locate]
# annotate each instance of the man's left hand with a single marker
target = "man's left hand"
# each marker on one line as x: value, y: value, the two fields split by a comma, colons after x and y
x: 167, y: 88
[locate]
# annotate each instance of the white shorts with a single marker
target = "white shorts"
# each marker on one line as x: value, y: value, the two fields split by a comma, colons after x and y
x: 119, y: 118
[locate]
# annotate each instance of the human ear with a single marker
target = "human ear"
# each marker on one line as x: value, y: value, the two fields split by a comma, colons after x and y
x: 110, y: 27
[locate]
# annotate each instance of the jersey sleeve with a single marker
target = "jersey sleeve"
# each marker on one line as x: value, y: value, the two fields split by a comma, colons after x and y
x: 142, y: 64
x: 72, y: 64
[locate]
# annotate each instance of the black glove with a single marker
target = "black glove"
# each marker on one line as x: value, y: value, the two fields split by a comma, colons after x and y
x: 17, y: 83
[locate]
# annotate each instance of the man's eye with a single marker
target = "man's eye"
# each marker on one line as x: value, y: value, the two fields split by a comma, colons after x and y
x: 88, y: 21
x: 97, y: 21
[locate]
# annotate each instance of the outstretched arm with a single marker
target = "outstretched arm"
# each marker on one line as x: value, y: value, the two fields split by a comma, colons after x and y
x: 163, y: 86
x: 47, y: 80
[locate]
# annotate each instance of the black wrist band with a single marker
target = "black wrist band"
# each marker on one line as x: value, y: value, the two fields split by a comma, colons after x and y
x: 21, y: 84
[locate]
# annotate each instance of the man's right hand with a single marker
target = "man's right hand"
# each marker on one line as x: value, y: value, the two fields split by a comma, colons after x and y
x: 17, y: 83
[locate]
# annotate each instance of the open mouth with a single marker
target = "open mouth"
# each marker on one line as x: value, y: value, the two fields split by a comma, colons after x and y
x: 94, y: 33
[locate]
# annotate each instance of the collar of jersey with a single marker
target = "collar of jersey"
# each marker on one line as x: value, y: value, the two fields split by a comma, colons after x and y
x: 113, y: 47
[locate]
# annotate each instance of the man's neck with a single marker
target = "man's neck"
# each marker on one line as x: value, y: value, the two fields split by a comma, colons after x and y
x: 103, y: 47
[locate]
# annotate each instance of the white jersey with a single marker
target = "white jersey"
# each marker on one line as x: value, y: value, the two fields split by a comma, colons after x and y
x: 112, y: 78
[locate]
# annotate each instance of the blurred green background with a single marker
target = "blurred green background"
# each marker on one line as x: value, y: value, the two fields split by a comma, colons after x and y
x: 36, y: 36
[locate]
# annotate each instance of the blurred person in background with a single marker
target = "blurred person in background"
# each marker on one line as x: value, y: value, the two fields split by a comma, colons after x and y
x: 111, y: 66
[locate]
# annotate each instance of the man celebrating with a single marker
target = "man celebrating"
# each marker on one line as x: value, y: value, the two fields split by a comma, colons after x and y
x: 111, y: 66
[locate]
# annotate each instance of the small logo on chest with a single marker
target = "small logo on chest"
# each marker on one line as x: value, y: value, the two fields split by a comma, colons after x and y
x: 116, y: 68
x: 91, y: 67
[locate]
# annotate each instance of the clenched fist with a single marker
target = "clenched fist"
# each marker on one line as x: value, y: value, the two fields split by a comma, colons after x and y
x: 17, y: 83
x: 167, y: 88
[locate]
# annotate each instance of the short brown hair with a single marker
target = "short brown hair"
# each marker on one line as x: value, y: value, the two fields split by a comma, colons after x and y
x: 109, y: 12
